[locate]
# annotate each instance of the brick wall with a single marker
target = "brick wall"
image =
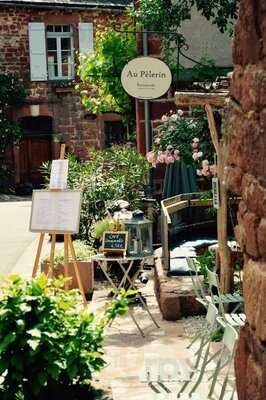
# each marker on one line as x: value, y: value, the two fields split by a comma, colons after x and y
x: 247, y: 178
x: 70, y: 118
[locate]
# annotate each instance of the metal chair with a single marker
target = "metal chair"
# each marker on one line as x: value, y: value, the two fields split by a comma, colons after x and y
x: 204, y: 343
x: 224, y: 357
x: 234, y: 319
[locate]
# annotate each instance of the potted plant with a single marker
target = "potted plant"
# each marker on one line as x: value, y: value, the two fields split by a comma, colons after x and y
x: 85, y: 267
x: 50, y: 346
x: 105, y: 225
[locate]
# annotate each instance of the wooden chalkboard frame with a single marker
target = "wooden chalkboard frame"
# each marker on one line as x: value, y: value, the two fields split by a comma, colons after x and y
x: 112, y: 250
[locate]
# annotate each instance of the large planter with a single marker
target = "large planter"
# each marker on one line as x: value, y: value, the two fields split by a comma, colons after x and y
x: 86, y: 273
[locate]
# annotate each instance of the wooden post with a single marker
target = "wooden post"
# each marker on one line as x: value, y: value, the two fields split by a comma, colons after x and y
x: 207, y: 100
x: 222, y: 214
x: 38, y: 255
x: 74, y: 260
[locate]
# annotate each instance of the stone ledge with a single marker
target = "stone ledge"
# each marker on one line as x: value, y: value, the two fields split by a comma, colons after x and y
x: 175, y: 296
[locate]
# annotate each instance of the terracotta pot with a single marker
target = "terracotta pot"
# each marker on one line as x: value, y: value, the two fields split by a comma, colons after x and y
x: 86, y: 274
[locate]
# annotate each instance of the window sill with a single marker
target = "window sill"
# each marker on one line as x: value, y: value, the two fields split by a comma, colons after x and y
x: 69, y: 89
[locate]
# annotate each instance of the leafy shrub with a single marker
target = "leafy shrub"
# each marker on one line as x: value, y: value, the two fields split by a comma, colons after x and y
x: 108, y: 175
x: 102, y: 70
x: 48, y: 341
x: 204, y: 260
x: 83, y: 253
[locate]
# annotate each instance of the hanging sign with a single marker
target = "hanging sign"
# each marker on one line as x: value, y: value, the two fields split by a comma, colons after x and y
x: 146, y: 78
x: 216, y: 193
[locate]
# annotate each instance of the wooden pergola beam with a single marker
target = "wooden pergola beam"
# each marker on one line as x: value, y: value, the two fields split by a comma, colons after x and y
x: 201, y: 99
x: 208, y: 100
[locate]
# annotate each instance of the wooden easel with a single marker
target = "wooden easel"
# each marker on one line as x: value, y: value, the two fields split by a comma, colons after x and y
x: 68, y: 246
x: 209, y: 100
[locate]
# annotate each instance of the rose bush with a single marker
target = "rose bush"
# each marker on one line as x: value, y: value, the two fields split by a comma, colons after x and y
x: 184, y: 137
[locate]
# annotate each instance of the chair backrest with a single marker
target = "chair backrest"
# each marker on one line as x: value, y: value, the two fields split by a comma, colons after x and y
x: 212, y: 313
x: 229, y: 338
x: 197, y: 285
x: 213, y: 281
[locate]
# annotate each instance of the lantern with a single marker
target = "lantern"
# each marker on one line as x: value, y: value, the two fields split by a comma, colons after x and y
x: 139, y: 235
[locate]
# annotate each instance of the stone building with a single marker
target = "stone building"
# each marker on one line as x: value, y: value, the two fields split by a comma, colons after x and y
x: 247, y: 178
x: 39, y: 41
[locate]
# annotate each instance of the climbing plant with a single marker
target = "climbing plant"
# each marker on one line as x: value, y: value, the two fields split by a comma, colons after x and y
x: 12, y: 93
x: 100, y: 72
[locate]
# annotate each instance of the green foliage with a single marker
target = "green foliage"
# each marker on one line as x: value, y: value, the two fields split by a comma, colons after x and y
x: 47, y: 339
x: 107, y: 224
x: 117, y: 173
x: 204, y: 260
x: 101, y: 72
x: 83, y: 253
x: 217, y: 336
x: 12, y: 93
x: 205, y: 71
x: 167, y: 15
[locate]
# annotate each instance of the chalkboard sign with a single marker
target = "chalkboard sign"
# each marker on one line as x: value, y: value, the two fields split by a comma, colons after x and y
x: 115, y: 242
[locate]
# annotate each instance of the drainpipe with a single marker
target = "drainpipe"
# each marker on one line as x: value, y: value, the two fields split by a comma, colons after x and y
x: 148, y: 130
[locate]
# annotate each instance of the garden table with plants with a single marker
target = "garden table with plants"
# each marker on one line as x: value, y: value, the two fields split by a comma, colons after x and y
x: 126, y: 264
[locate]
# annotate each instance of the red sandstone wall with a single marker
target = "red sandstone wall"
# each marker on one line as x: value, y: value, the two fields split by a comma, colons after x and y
x: 69, y: 116
x: 247, y: 152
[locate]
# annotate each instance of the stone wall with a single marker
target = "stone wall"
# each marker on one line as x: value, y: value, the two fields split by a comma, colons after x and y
x: 247, y: 178
x: 71, y: 122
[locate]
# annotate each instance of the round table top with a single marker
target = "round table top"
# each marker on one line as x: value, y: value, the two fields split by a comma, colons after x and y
x: 104, y: 257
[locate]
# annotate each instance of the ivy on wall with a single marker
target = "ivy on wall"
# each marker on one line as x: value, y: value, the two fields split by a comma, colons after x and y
x: 12, y: 93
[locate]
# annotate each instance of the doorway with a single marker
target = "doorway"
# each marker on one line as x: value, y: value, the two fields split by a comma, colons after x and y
x: 35, y: 149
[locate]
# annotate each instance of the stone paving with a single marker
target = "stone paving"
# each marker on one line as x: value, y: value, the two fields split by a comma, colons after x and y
x: 126, y: 351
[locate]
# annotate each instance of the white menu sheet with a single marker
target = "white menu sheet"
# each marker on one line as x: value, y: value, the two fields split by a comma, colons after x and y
x: 55, y: 211
x: 58, y: 177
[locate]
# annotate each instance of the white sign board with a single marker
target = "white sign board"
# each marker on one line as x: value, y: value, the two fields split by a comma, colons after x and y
x: 57, y: 212
x: 58, y: 177
x: 146, y: 78
x: 216, y: 193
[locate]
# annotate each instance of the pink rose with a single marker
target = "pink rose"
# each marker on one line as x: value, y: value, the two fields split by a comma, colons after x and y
x: 174, y: 117
x: 180, y: 112
x: 213, y: 169
x: 197, y: 156
x: 161, y: 157
x: 194, y: 145
x: 205, y: 163
x: 199, y: 172
x: 164, y: 118
x: 169, y: 159
x: 151, y: 156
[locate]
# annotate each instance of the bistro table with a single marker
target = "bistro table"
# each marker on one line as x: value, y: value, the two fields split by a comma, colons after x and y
x: 103, y: 260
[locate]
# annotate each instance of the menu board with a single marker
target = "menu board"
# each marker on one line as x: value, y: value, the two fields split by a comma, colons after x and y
x: 115, y: 241
x: 58, y: 177
x: 57, y: 212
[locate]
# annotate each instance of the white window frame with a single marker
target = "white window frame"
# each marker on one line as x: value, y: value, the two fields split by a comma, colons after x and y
x: 58, y: 36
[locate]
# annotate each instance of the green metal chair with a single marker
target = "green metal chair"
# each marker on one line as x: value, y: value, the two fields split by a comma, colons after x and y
x: 224, y: 359
x: 234, y: 319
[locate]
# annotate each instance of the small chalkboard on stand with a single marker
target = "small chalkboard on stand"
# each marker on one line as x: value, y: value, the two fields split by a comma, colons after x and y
x: 115, y: 242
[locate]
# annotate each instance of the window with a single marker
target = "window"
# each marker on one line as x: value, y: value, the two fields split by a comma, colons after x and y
x: 60, y: 52
x: 51, y: 49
